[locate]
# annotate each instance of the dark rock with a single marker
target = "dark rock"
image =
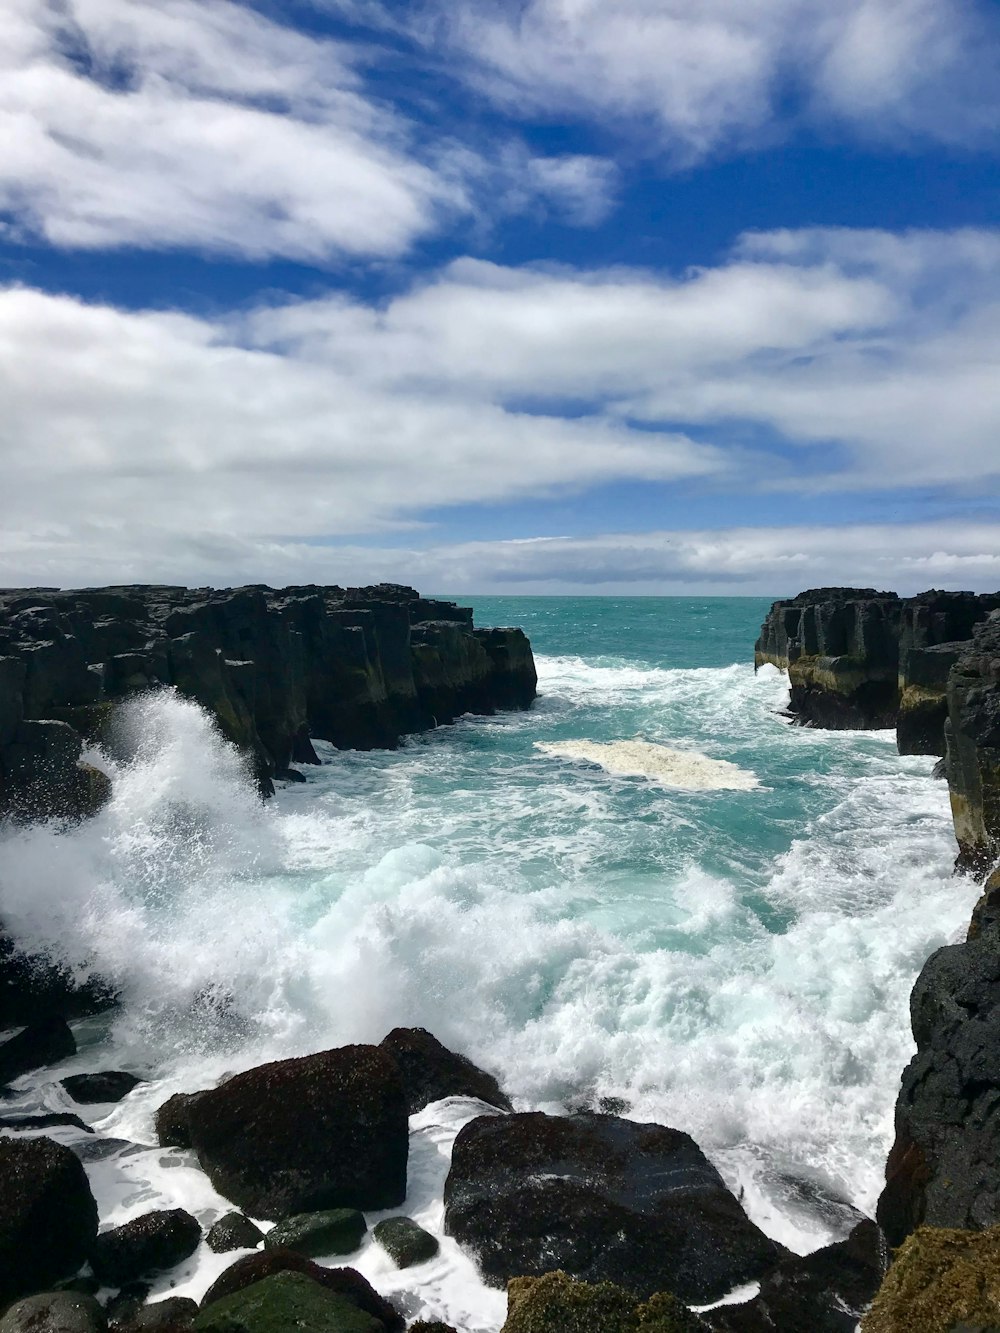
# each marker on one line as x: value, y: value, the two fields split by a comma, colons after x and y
x: 434, y: 1326
x: 233, y: 1232
x: 97, y: 1149
x: 171, y: 1122
x: 48, y: 1217
x: 41, y: 1044
x: 430, y: 1071
x: 826, y: 1291
x: 164, y: 1316
x: 282, y: 1302
x: 345, y: 1282
x: 46, y: 1120
x: 335, y: 1231
x: 55, y: 1312
x: 323, y: 1131
x: 111, y: 1085
x: 405, y: 1242
x: 973, y: 748
x: 144, y: 1246
x: 603, y: 1199
x: 125, y: 1304
x: 33, y: 989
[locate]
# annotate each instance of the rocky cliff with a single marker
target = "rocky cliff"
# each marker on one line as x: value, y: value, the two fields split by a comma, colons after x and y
x: 864, y: 659
x: 358, y: 667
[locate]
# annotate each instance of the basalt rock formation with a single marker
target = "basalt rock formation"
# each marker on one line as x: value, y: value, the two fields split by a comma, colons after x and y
x: 858, y: 658
x: 358, y: 667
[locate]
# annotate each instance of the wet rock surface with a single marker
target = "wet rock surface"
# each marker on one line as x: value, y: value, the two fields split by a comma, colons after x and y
x: 603, y: 1199
x: 323, y: 1131
x: 335, y: 1231
x: 346, y: 1282
x: 48, y: 1217
x: 233, y: 1232
x: 55, y: 1312
x: 172, y: 1313
x: 39, y: 1044
x: 405, y: 1241
x: 282, y: 1302
x: 111, y: 1085
x: 144, y: 1246
x: 430, y: 1071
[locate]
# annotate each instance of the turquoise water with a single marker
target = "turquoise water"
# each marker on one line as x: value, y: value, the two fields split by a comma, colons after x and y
x: 735, y: 962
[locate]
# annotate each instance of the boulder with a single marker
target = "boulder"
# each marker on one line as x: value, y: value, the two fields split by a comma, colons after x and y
x: 171, y: 1122
x: 233, y: 1232
x: 144, y: 1246
x: 111, y: 1085
x: 603, y: 1199
x: 33, y: 989
x: 826, y: 1291
x: 40, y: 1044
x: 164, y: 1316
x: 55, y: 1312
x: 47, y: 1120
x: 335, y: 1231
x: 430, y: 1071
x: 434, y: 1326
x: 48, y: 1217
x: 322, y: 1131
x: 405, y: 1242
x: 282, y: 1302
x: 940, y: 1281
x: 555, y: 1303
x: 345, y: 1282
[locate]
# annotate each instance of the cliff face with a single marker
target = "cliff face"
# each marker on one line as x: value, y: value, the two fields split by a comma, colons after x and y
x: 358, y: 667
x: 864, y: 659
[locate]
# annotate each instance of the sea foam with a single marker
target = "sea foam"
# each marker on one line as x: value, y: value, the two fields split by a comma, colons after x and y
x: 660, y: 763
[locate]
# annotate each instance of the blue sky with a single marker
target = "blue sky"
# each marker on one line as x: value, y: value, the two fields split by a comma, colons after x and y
x: 547, y: 296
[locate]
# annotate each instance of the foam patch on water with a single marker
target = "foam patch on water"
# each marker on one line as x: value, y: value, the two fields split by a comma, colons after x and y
x: 685, y: 769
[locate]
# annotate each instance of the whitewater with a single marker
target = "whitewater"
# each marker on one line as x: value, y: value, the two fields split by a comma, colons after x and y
x: 650, y: 894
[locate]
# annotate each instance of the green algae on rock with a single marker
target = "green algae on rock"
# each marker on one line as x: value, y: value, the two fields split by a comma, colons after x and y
x: 334, y: 1231
x: 405, y: 1241
x: 285, y: 1301
x: 940, y: 1279
x: 556, y: 1303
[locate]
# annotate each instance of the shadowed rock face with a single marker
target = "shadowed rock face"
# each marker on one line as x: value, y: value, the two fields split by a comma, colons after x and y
x: 973, y: 758
x: 603, y: 1199
x: 858, y: 658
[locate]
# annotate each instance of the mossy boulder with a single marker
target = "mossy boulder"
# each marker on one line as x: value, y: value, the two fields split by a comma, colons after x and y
x: 406, y: 1242
x: 940, y: 1279
x: 335, y: 1231
x: 282, y: 1302
x: 556, y: 1303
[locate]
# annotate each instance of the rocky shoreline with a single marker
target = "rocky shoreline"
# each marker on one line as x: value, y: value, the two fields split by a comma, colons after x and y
x: 590, y: 1220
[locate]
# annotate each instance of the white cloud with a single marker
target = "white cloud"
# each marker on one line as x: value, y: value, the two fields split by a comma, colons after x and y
x: 202, y: 124
x: 720, y: 74
x: 155, y: 440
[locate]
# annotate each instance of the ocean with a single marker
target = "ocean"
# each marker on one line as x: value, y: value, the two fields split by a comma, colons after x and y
x: 649, y: 892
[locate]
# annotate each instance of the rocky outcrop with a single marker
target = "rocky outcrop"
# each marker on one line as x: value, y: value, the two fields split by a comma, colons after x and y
x: 605, y: 1200
x: 430, y: 1071
x: 48, y: 1217
x: 973, y: 758
x: 358, y: 667
x: 941, y: 1281
x: 322, y: 1131
x: 859, y: 658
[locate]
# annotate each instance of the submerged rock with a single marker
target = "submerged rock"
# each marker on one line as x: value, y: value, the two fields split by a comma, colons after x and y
x: 322, y: 1131
x: 405, y: 1241
x: 111, y: 1085
x: 38, y: 1045
x: 555, y: 1303
x: 940, y: 1280
x: 282, y: 1302
x: 144, y: 1246
x: 335, y: 1231
x: 602, y: 1198
x: 233, y: 1232
x: 345, y: 1282
x: 48, y: 1217
x: 430, y: 1071
x: 55, y: 1312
